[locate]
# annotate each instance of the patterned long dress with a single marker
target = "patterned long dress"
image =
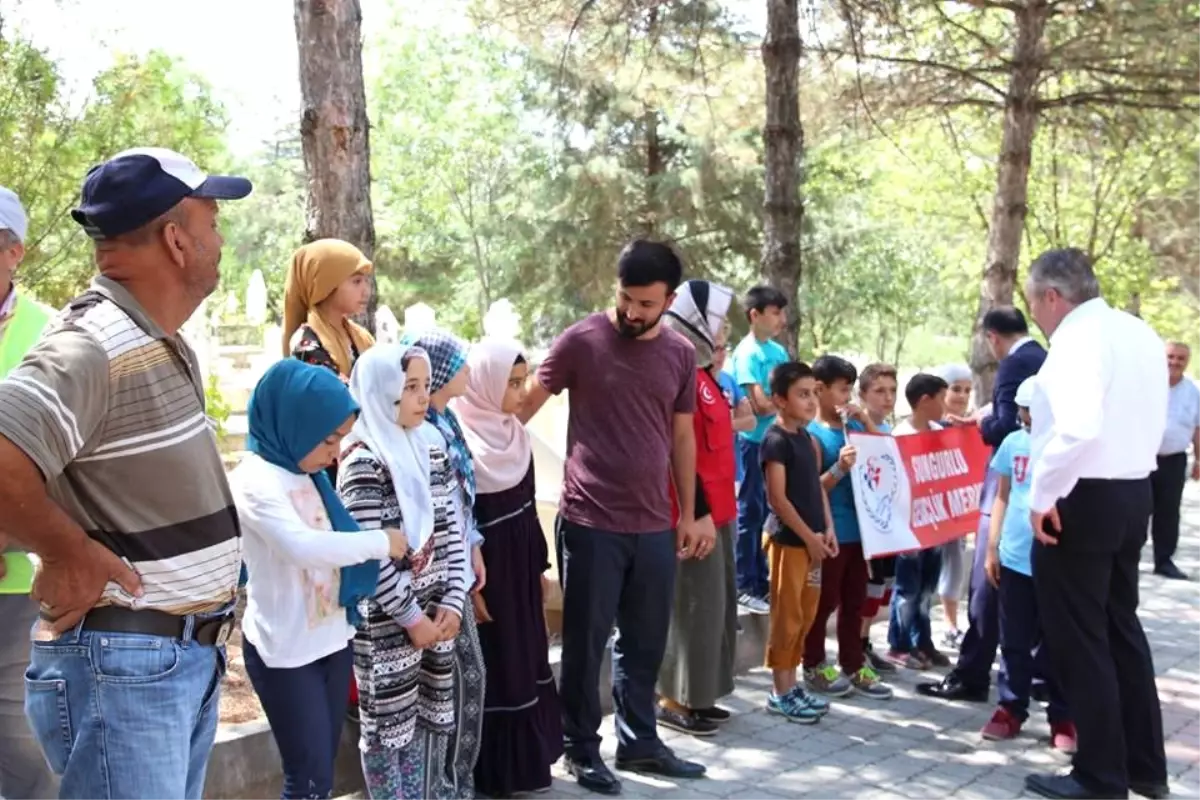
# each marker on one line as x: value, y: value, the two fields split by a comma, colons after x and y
x: 406, y: 696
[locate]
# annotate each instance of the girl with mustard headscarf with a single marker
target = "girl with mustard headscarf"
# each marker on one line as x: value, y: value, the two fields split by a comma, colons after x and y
x: 326, y: 284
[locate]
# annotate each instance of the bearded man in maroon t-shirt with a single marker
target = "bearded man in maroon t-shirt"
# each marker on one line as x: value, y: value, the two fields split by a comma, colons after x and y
x: 632, y: 385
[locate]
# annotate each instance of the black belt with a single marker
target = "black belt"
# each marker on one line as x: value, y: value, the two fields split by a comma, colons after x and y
x: 209, y: 631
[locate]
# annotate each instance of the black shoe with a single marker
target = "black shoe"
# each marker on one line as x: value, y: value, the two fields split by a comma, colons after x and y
x: 593, y: 775
x: 689, y: 722
x: 1155, y: 791
x: 1065, y: 787
x: 665, y: 763
x: 713, y: 714
x: 951, y: 688
x: 1168, y: 570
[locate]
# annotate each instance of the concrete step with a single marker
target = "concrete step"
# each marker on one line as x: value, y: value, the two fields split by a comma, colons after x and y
x: 245, y: 760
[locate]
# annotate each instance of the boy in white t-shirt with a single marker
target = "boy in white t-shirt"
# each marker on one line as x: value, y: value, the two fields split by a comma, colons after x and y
x: 910, y: 635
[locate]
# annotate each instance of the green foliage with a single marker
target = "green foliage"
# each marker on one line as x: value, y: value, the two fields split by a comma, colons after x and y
x: 215, y: 405
x: 50, y: 145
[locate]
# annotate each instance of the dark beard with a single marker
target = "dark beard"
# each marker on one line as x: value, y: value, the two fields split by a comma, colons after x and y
x: 629, y: 330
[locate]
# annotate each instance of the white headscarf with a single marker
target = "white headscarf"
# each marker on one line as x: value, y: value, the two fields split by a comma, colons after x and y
x: 376, y: 383
x: 698, y: 313
x: 499, y: 442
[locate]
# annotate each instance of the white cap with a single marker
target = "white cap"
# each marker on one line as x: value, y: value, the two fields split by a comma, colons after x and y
x: 1025, y: 391
x: 12, y: 214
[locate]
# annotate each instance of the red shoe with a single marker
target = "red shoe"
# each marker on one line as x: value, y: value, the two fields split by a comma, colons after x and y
x: 1063, y: 737
x: 1001, y: 727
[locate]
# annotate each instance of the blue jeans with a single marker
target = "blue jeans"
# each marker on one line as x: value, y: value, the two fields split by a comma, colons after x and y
x: 752, y: 514
x: 123, y: 715
x: 912, y: 596
x: 306, y: 707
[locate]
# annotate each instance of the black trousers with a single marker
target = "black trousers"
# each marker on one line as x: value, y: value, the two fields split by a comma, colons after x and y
x: 628, y: 578
x: 1167, y: 483
x: 1087, y: 592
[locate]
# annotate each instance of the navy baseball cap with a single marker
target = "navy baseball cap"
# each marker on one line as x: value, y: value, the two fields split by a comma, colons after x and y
x: 136, y: 186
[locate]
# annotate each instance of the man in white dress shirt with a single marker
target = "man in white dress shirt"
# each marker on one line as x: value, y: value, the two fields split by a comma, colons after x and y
x: 1098, y: 417
x: 1183, y: 429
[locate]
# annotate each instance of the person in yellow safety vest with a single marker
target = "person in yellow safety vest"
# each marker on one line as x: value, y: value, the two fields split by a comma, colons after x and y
x: 23, y: 770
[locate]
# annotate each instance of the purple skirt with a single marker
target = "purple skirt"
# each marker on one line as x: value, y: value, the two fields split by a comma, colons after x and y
x: 522, y: 726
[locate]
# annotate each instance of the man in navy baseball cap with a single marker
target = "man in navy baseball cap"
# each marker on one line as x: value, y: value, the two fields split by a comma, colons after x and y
x: 137, y: 186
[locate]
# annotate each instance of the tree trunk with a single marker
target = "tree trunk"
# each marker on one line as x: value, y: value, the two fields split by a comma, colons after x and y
x: 334, y: 131
x: 1009, y: 206
x: 783, y: 140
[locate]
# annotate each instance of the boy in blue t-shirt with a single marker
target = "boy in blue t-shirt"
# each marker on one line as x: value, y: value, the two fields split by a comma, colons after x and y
x: 1009, y: 568
x: 843, y: 577
x: 753, y: 360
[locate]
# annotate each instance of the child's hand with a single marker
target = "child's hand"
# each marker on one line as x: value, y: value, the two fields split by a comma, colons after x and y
x: 991, y: 566
x: 423, y: 633
x: 847, y: 457
x: 831, y: 544
x: 447, y: 623
x: 479, y: 568
x: 855, y: 413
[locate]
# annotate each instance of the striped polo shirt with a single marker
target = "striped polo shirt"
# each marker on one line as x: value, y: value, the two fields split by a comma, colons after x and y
x: 111, y: 410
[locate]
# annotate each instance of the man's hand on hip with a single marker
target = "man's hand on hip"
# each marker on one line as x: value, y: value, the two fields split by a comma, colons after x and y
x: 70, y: 586
x: 1041, y: 520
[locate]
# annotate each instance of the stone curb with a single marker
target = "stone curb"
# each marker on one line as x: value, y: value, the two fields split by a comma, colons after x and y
x: 245, y: 761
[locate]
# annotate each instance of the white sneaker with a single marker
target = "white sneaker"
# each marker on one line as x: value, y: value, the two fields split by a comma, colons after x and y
x: 755, y: 605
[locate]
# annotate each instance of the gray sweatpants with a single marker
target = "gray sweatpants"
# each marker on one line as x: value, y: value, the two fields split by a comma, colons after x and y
x: 23, y: 770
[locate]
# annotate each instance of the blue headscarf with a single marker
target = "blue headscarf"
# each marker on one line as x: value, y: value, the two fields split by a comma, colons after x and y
x: 294, y: 407
x: 447, y: 356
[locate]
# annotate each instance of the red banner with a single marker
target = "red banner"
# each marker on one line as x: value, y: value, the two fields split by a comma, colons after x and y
x: 918, y: 491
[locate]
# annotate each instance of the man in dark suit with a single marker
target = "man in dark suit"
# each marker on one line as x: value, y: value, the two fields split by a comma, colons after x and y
x: 1020, y: 357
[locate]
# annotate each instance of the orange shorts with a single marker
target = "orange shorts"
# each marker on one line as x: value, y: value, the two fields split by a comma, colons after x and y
x: 794, y: 594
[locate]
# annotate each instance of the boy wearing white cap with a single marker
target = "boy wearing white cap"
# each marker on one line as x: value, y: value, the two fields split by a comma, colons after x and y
x: 23, y: 771
x: 1009, y: 569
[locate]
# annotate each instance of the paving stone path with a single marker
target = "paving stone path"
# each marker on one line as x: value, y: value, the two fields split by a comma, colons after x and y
x: 916, y: 747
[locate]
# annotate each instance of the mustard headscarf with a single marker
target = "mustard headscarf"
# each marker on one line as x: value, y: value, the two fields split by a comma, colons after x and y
x: 317, y: 269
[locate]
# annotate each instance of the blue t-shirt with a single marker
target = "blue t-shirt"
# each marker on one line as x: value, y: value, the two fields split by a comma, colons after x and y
x: 841, y: 497
x: 734, y: 394
x: 1016, y: 535
x: 752, y: 364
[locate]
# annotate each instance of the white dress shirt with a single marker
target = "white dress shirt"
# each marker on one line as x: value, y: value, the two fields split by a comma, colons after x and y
x: 293, y: 556
x: 1183, y: 417
x: 1100, y: 403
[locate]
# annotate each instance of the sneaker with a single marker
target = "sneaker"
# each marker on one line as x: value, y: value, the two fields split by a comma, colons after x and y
x: 912, y: 660
x: 1063, y: 737
x: 952, y: 638
x: 687, y: 722
x: 815, y: 702
x: 1001, y: 727
x: 877, y: 662
x: 792, y: 709
x: 935, y: 657
x: 755, y: 605
x: 866, y: 681
x: 827, y: 680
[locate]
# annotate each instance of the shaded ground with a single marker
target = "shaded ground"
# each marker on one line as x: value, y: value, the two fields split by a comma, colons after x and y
x: 917, y: 747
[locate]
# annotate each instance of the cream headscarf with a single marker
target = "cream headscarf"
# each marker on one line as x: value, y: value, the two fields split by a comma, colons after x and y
x: 698, y: 313
x: 317, y: 269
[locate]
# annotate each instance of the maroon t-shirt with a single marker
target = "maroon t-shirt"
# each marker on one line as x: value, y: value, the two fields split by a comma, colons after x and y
x: 624, y: 394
